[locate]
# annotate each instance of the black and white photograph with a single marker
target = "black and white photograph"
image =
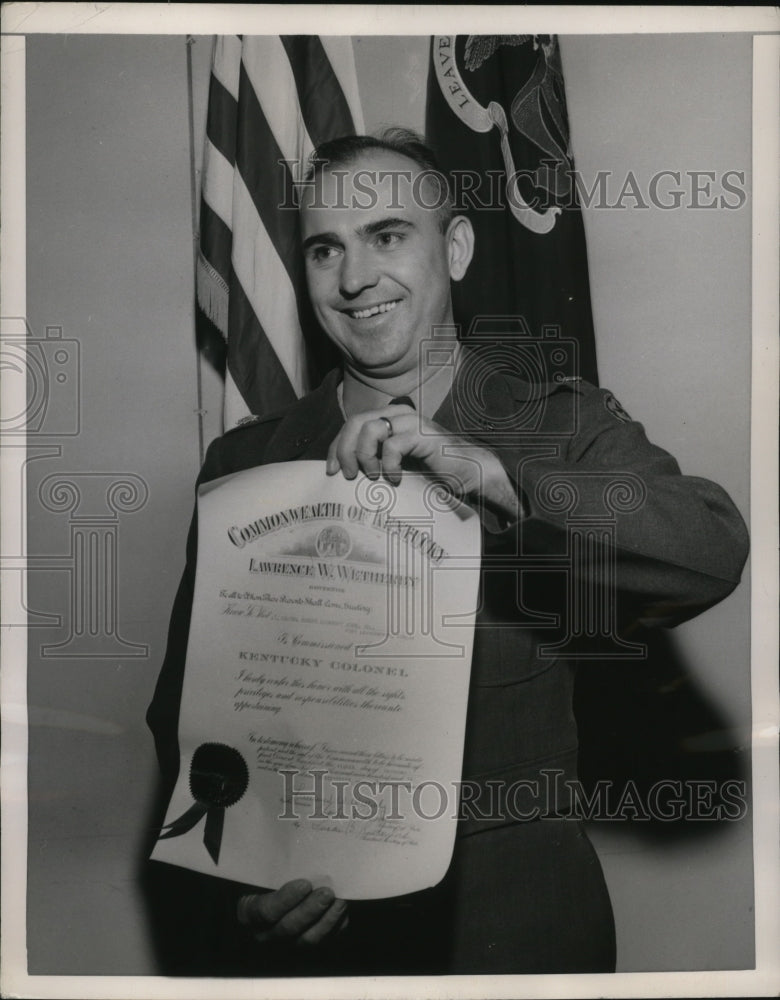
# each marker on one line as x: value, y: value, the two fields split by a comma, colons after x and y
x: 389, y: 478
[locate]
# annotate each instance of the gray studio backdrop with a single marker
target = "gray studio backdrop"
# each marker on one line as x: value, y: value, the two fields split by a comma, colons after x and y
x: 110, y: 283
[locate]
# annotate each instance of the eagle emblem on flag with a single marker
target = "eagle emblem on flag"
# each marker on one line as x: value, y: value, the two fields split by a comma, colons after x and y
x: 537, y: 112
x: 481, y: 47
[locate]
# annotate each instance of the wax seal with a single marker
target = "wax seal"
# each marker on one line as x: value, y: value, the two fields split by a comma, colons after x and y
x: 219, y: 777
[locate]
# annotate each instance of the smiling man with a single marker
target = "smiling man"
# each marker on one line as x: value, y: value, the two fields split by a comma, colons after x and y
x: 381, y: 246
x: 524, y: 891
x: 379, y: 262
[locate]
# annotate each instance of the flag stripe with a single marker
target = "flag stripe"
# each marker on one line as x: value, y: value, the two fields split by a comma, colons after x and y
x: 268, y: 183
x: 227, y: 59
x: 268, y: 68
x: 323, y: 105
x: 215, y: 235
x: 255, y: 368
x: 218, y: 184
x: 338, y: 49
x: 222, y: 120
x: 235, y: 405
x: 267, y: 286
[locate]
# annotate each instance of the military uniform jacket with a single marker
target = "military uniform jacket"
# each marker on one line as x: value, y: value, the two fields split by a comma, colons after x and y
x: 608, y: 517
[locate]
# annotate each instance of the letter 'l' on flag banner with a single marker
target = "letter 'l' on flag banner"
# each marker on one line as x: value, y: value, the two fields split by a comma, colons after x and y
x: 496, y: 118
x: 272, y: 99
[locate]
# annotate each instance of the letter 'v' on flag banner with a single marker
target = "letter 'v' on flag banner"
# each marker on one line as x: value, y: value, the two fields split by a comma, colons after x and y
x: 272, y: 99
x: 496, y: 118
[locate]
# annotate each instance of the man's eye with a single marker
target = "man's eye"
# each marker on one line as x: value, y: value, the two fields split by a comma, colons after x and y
x: 388, y: 239
x: 323, y: 253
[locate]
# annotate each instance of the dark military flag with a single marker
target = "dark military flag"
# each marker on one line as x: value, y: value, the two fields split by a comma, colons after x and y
x: 496, y: 118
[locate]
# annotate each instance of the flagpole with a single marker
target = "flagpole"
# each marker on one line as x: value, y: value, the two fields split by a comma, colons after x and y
x: 190, y: 41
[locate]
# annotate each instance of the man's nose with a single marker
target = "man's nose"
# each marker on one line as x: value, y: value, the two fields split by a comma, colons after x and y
x: 357, y: 273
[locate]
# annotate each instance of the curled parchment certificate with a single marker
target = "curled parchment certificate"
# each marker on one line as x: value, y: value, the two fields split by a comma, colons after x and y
x: 326, y: 682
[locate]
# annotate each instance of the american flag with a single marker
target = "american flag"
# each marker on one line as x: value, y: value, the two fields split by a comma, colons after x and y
x: 272, y: 99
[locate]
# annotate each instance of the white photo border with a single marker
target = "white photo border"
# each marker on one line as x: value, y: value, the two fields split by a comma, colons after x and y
x: 25, y: 18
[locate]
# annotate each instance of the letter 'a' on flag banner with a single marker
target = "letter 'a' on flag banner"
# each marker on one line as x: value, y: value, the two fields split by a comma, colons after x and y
x: 496, y: 118
x: 272, y: 99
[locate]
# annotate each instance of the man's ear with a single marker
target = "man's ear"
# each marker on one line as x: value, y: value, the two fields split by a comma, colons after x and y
x: 460, y: 246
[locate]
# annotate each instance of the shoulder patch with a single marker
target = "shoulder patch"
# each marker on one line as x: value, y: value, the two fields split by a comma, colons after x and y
x: 613, y: 406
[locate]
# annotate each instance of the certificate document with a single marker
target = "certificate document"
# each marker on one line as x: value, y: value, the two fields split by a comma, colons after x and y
x: 326, y: 681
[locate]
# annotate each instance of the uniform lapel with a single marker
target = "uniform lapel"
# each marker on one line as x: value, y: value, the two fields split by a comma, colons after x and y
x: 308, y: 429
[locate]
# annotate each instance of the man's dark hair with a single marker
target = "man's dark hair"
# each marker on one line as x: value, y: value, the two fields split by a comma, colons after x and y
x: 346, y: 149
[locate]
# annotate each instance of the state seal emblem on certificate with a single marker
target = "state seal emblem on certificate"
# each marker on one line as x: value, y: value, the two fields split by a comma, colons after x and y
x: 324, y: 701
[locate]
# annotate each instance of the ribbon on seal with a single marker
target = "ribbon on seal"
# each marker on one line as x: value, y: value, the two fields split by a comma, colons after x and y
x: 219, y: 777
x: 483, y: 119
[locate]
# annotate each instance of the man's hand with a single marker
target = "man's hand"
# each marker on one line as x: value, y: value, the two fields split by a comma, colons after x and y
x: 295, y: 913
x: 377, y: 442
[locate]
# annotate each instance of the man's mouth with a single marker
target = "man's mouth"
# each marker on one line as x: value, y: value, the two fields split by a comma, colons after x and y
x: 369, y: 311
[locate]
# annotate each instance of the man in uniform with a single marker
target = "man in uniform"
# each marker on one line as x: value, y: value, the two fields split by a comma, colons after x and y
x: 381, y: 246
